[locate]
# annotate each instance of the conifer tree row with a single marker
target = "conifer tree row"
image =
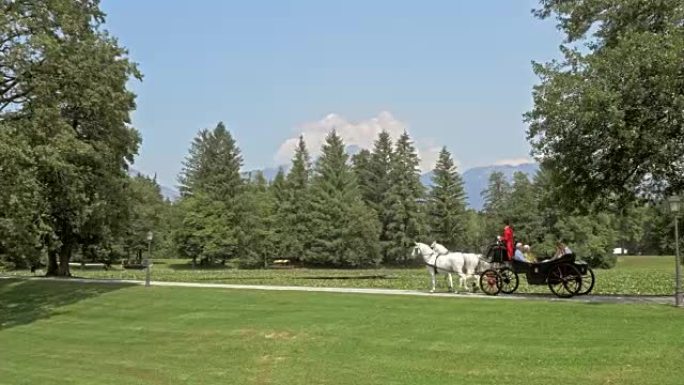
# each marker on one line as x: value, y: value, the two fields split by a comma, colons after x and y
x: 369, y: 210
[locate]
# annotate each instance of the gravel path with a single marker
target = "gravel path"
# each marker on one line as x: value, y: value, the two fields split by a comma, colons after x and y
x: 628, y: 299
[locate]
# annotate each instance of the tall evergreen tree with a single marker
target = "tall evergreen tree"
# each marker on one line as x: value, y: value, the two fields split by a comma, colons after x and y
x: 215, y: 208
x: 212, y: 165
x: 522, y: 208
x: 344, y: 231
x: 379, y: 182
x: 496, y: 203
x: 406, y: 219
x: 208, y: 230
x: 300, y: 174
x: 361, y: 163
x: 294, y: 216
x: 258, y: 238
x: 476, y: 236
x: 278, y: 187
x: 278, y: 191
x: 446, y: 204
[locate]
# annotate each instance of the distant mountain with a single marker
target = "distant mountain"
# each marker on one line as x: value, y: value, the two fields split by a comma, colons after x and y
x: 476, y: 179
x: 170, y: 193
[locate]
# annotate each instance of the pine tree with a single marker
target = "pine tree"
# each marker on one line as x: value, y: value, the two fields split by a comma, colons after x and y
x: 344, y: 231
x: 212, y: 165
x: 278, y: 191
x: 293, y: 209
x: 361, y: 164
x: 406, y: 220
x: 379, y: 182
x: 216, y: 213
x: 446, y: 204
x: 278, y: 185
x: 380, y: 169
x: 258, y: 235
x: 476, y: 238
x: 522, y: 208
x: 300, y: 174
x: 496, y: 203
x: 497, y: 193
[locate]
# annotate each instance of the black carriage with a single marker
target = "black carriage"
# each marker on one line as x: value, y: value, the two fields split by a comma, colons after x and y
x: 565, y: 276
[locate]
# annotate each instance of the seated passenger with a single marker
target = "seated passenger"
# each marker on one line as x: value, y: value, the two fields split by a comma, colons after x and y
x: 518, y: 255
x: 561, y: 250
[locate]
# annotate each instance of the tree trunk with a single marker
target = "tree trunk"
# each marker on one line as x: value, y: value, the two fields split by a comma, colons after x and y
x: 64, y: 257
x: 52, y: 268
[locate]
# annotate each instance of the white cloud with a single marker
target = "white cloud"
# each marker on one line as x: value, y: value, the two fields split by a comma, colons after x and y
x: 513, y: 161
x: 362, y: 134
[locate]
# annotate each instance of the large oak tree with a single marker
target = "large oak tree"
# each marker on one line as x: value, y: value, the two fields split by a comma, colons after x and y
x: 607, y: 117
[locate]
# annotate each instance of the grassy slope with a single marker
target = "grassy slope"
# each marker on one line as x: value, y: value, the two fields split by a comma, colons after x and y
x: 132, y: 335
x: 633, y: 275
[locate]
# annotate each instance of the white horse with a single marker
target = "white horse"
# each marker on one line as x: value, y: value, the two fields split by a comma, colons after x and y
x: 468, y: 257
x: 466, y: 265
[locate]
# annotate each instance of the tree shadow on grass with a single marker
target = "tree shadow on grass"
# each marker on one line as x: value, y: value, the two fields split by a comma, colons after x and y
x: 25, y: 301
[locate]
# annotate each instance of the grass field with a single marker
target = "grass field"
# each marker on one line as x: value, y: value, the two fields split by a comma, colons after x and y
x: 633, y: 275
x: 70, y: 333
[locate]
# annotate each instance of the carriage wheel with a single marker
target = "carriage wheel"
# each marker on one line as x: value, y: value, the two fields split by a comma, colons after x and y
x: 509, y: 280
x: 588, y: 280
x: 564, y: 280
x: 490, y: 282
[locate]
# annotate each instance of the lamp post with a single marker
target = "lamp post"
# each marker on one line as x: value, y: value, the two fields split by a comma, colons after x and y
x: 150, y: 236
x: 674, y: 203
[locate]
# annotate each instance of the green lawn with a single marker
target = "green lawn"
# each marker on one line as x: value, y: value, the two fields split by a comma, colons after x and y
x: 633, y: 275
x: 70, y: 333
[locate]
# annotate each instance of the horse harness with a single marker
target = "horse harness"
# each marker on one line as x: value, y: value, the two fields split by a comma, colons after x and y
x: 435, y: 264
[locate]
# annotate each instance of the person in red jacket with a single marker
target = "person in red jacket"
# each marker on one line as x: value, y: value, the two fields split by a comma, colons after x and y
x: 507, y: 239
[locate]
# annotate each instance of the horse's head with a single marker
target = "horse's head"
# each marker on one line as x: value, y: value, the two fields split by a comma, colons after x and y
x: 422, y: 250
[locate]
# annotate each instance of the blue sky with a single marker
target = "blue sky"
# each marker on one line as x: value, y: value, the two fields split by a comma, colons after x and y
x: 454, y: 73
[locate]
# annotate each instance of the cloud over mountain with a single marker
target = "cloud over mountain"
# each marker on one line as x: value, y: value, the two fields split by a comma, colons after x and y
x: 362, y: 134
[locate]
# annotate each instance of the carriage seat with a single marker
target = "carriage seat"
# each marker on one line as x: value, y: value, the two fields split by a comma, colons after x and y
x: 568, y: 258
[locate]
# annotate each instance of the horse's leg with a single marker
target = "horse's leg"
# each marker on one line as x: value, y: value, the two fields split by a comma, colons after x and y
x: 432, y: 279
x: 463, y: 279
x: 451, y: 283
x: 469, y: 288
